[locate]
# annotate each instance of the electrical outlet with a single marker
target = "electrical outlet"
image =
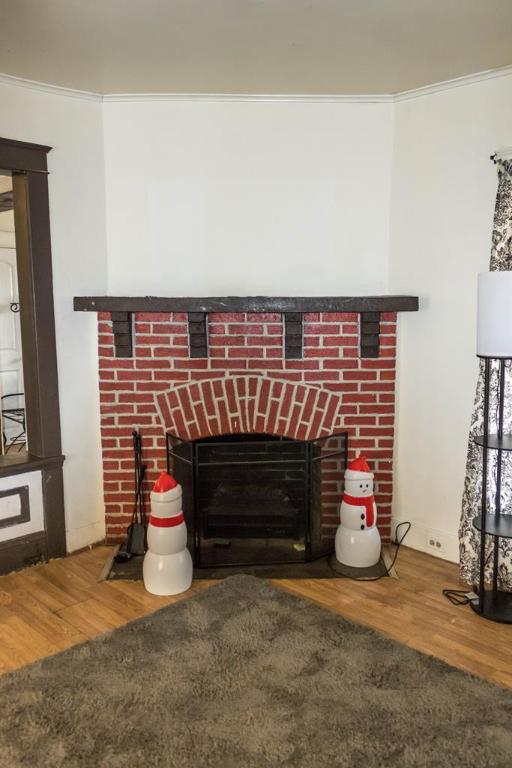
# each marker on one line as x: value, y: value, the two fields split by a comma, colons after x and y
x: 435, y: 541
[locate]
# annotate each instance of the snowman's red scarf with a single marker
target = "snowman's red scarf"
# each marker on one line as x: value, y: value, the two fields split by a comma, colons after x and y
x: 166, y: 522
x: 362, y: 501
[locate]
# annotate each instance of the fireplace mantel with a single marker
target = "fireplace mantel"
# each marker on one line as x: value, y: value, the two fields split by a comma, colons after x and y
x: 246, y: 304
x: 293, y: 309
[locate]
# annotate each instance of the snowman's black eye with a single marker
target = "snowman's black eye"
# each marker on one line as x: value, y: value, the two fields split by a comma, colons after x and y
x: 361, y: 485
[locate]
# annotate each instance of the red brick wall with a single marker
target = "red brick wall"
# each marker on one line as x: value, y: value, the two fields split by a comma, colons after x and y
x: 244, y: 385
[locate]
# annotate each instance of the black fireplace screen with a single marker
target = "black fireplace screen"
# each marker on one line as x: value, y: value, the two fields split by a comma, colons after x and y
x: 258, y: 499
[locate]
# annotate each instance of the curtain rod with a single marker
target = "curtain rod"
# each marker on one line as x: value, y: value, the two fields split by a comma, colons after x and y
x: 501, y: 154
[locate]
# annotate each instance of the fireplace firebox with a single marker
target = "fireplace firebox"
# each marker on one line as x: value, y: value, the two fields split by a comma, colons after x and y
x: 252, y: 499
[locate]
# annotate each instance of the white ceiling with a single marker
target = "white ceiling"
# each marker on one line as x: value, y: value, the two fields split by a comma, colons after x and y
x: 252, y: 46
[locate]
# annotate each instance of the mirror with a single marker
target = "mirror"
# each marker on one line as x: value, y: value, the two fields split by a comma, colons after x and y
x: 12, y: 398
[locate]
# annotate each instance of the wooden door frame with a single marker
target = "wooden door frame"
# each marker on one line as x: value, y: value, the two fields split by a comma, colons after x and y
x: 28, y: 164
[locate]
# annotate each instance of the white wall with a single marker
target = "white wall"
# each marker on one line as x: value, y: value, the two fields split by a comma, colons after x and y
x: 266, y: 197
x: 443, y: 193
x: 279, y: 198
x: 73, y: 127
x: 218, y: 198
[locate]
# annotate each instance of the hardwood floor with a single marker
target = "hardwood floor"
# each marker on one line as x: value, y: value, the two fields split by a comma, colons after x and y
x: 51, y: 607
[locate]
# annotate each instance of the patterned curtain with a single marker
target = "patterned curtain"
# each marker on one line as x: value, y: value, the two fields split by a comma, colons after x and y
x: 469, y: 538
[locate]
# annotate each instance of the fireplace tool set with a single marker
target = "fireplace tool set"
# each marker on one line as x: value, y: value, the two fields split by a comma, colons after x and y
x: 162, y: 540
x: 136, y: 542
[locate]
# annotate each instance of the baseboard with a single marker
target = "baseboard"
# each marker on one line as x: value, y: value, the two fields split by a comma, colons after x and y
x: 85, y: 536
x: 445, y: 546
x: 23, y: 551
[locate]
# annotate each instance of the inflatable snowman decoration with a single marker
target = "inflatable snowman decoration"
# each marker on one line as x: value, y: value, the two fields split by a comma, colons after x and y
x: 357, y: 538
x: 167, y: 566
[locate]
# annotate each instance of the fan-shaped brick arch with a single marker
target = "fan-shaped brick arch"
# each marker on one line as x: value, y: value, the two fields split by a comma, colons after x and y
x: 248, y: 404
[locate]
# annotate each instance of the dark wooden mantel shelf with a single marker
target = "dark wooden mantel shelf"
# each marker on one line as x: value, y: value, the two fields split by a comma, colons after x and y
x: 246, y: 304
x: 293, y: 308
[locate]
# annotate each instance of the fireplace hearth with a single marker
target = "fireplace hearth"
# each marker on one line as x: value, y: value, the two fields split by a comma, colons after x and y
x: 252, y: 499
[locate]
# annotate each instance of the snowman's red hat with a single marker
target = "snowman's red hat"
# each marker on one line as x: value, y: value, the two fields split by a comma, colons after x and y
x: 166, y: 491
x: 164, y: 482
x: 358, y: 469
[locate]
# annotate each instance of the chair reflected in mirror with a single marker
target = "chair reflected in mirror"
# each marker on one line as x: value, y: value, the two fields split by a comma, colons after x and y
x: 14, y: 434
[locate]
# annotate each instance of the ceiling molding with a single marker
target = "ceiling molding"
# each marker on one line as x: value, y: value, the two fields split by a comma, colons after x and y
x: 384, y: 98
x: 56, y: 90
x: 362, y: 98
x: 456, y: 82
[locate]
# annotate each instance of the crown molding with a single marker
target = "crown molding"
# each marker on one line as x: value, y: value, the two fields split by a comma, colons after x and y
x: 358, y: 98
x: 455, y: 82
x: 56, y: 90
x: 382, y: 98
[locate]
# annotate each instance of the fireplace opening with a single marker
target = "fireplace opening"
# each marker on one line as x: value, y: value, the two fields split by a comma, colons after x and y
x: 253, y: 499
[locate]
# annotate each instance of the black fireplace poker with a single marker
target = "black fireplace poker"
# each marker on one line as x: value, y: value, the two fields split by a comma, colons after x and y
x: 136, y: 541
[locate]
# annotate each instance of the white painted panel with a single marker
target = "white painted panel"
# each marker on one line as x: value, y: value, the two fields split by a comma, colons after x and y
x: 36, y: 523
x: 10, y: 506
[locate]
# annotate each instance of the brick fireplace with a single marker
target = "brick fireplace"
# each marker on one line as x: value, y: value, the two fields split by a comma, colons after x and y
x: 243, y: 372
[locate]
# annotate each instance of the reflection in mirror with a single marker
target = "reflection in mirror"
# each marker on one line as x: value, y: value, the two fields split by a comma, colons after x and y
x: 12, y: 398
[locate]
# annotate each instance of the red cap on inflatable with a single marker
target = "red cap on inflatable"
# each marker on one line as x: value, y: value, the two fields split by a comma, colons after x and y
x: 164, y: 483
x: 359, y: 465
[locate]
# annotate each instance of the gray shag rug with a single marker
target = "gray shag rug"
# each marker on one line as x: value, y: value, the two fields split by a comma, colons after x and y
x: 245, y: 675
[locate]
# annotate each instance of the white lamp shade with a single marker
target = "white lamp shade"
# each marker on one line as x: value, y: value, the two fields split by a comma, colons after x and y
x: 494, y: 336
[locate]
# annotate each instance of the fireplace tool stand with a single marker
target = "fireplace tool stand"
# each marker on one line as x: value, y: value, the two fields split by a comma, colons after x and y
x: 136, y: 542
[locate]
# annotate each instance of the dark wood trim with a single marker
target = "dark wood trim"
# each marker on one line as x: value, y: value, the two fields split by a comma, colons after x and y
x: 198, y: 334
x: 34, y: 257
x: 28, y: 164
x: 293, y: 335
x: 246, y: 304
x: 369, y: 337
x: 293, y: 308
x: 17, y: 464
x: 23, y: 551
x: 24, y: 515
x: 122, y: 327
x: 22, y: 156
x: 53, y: 502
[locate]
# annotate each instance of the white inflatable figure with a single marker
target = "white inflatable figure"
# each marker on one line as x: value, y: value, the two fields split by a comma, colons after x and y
x: 357, y: 538
x: 167, y: 567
